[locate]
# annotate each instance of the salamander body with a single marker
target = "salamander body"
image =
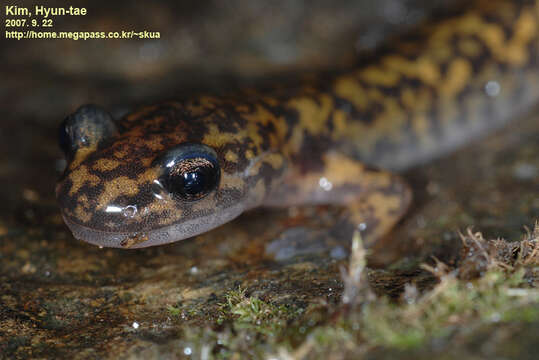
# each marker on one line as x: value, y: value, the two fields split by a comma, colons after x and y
x: 180, y: 168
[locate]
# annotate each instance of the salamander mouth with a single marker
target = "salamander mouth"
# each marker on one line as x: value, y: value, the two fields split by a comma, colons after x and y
x: 153, y: 237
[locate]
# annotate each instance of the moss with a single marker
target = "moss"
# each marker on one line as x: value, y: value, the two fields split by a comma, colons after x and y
x: 452, y: 303
x: 174, y: 311
x: 528, y: 313
x: 496, y: 291
x: 255, y: 315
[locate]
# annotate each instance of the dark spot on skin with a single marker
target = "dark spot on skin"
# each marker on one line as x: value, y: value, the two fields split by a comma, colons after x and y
x: 309, y: 158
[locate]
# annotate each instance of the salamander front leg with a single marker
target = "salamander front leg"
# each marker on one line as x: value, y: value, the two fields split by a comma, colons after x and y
x: 373, y: 200
x: 375, y: 212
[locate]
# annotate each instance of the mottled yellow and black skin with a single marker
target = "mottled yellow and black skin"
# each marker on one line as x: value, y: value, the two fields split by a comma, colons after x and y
x: 322, y: 141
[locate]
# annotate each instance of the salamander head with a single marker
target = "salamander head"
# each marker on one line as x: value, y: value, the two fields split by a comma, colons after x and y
x: 152, y: 183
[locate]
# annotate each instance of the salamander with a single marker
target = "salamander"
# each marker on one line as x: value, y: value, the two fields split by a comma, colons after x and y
x: 179, y: 168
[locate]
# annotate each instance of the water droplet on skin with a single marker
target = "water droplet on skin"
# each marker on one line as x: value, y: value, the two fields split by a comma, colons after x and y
x: 113, y: 209
x: 325, y: 184
x: 129, y: 211
x: 493, y: 88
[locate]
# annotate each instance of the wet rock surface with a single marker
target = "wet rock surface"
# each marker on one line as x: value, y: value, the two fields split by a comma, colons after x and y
x: 63, y: 298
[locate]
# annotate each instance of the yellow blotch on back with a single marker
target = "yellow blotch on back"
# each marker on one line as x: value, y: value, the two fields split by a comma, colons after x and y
x: 342, y: 127
x: 260, y: 115
x: 349, y: 88
x: 494, y: 38
x: 457, y: 77
x: 512, y: 51
x: 423, y: 69
x: 313, y: 117
x: 380, y: 76
x: 106, y: 164
x: 81, y: 176
x: 526, y: 30
x: 470, y: 47
x: 217, y: 138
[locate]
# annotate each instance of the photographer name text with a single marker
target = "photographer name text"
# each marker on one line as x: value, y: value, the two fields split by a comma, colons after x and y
x: 44, y: 11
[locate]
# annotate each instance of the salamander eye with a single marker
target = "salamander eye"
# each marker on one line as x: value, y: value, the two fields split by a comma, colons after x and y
x: 190, y: 171
x: 86, y: 127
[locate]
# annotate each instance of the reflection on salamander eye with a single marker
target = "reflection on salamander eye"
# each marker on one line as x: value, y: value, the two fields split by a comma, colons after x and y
x: 189, y: 172
x: 158, y: 190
